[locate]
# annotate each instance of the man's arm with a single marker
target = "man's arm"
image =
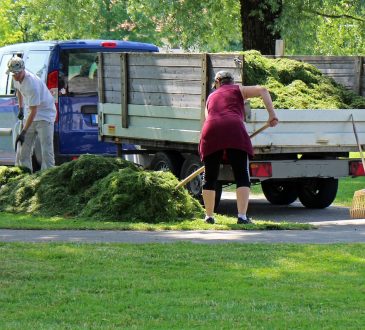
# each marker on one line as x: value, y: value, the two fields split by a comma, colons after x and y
x: 20, y: 105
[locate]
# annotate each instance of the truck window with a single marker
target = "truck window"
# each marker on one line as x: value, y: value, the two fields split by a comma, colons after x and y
x: 5, y: 80
x: 37, y: 63
x: 78, y: 73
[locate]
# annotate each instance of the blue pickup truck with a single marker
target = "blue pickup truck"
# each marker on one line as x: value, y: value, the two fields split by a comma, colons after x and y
x: 69, y: 69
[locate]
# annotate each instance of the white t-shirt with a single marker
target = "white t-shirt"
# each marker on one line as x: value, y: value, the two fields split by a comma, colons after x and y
x: 36, y: 93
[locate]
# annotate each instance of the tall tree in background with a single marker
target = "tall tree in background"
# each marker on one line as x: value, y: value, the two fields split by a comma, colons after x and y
x: 259, y: 27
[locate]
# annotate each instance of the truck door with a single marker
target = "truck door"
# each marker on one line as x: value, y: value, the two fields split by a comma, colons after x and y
x: 8, y: 113
x: 77, y: 104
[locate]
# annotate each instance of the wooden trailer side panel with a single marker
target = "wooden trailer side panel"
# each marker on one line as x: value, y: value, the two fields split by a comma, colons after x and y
x: 158, y: 98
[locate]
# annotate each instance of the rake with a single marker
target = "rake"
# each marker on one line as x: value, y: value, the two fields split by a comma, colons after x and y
x: 357, y: 210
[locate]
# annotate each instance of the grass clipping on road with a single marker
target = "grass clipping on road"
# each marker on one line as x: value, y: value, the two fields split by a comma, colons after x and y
x: 99, y: 188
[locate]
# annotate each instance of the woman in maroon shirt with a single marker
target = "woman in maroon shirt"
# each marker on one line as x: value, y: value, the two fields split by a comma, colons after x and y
x: 224, y: 132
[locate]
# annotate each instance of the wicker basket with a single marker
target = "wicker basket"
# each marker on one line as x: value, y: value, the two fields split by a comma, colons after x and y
x: 357, y: 210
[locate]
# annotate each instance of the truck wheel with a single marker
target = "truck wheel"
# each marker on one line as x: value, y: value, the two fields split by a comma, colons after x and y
x: 190, y: 165
x: 195, y: 186
x: 279, y: 192
x: 318, y: 193
x: 167, y: 161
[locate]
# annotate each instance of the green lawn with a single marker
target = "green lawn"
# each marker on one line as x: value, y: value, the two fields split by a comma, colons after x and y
x: 346, y: 189
x: 24, y: 221
x: 182, y: 286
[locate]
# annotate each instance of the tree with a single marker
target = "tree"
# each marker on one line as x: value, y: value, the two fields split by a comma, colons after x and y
x: 323, y: 27
x: 16, y: 22
x: 7, y: 34
x: 333, y: 27
x: 259, y: 24
x: 206, y: 25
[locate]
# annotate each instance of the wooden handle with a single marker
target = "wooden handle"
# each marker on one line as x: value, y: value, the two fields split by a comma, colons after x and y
x: 358, y: 143
x: 191, y: 177
x: 259, y: 130
x: 201, y: 169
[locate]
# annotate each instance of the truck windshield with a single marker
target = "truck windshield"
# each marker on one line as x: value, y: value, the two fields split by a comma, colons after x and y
x: 78, y: 73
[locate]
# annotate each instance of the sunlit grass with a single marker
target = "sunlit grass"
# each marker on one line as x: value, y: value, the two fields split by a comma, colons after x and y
x: 21, y: 221
x: 346, y: 189
x: 182, y: 286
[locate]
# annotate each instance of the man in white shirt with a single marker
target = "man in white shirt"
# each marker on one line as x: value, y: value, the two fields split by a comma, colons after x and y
x: 40, y: 113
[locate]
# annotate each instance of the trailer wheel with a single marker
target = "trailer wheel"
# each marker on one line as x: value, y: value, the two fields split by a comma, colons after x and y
x: 195, y: 186
x: 279, y: 192
x: 167, y: 161
x: 318, y: 193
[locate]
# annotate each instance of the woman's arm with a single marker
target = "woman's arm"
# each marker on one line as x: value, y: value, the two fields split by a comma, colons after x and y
x: 259, y: 91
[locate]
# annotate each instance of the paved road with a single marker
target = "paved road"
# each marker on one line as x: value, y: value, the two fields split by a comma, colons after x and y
x: 259, y: 208
x: 334, y: 226
x: 337, y: 232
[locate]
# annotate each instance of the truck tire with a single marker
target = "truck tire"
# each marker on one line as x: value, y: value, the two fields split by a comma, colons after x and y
x: 279, y: 192
x: 195, y: 186
x: 318, y: 193
x: 167, y: 161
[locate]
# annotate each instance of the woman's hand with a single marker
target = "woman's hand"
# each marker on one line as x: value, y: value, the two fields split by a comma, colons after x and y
x: 273, y: 121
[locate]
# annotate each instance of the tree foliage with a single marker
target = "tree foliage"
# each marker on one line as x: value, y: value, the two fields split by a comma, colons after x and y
x: 323, y: 27
x: 333, y: 27
x: 258, y: 19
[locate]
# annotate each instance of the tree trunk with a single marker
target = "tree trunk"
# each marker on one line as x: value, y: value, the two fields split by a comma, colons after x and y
x: 257, y: 31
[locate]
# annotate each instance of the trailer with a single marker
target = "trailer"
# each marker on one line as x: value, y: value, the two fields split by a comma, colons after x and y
x: 156, y: 101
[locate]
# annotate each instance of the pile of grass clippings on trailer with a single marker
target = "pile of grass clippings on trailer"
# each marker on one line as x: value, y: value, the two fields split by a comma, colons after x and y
x: 296, y: 85
x: 101, y: 188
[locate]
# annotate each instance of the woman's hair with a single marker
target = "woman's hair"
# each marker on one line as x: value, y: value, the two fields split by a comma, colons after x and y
x: 224, y: 77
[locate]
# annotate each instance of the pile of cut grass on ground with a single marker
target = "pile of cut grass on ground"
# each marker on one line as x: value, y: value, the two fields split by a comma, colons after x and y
x: 100, y: 188
x: 296, y: 85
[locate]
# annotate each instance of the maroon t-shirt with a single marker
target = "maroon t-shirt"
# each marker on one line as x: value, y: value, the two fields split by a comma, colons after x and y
x: 224, y: 127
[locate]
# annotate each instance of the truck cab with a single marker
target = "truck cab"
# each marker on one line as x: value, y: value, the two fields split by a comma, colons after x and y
x: 69, y: 68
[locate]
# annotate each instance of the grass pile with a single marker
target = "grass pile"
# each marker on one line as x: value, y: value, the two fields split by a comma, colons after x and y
x: 296, y: 85
x: 100, y: 188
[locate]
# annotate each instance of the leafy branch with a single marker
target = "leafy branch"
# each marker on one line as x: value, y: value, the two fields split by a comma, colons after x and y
x: 335, y: 16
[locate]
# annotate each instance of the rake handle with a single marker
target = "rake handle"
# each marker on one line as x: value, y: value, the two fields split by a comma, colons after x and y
x: 358, y: 143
